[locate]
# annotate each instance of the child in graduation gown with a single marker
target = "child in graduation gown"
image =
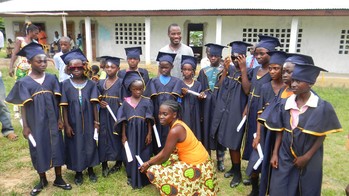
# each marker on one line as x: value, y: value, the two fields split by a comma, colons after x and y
x: 39, y: 94
x: 133, y: 57
x: 259, y: 76
x: 269, y: 91
x: 231, y: 101
x: 210, y: 78
x: 109, y: 143
x: 136, y: 118
x: 190, y: 102
x: 160, y: 89
x: 79, y: 102
x: 304, y: 120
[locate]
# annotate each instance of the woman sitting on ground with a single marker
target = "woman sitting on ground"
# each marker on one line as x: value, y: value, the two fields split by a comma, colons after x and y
x: 183, y: 166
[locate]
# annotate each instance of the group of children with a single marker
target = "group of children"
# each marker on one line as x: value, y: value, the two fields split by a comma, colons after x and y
x: 123, y: 109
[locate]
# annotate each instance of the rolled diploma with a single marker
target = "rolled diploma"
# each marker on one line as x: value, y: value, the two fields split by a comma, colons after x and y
x: 31, y: 139
x: 241, y: 123
x: 194, y: 93
x: 157, y: 136
x: 111, y: 113
x: 139, y: 159
x: 95, y: 135
x: 128, y: 152
x: 260, y: 154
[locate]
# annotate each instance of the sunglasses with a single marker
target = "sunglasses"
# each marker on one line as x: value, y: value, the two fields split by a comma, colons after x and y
x: 74, y: 68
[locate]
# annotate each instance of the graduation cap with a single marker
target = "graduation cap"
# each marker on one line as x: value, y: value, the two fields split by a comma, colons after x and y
x: 306, y: 73
x: 113, y: 60
x: 163, y: 56
x: 277, y: 57
x: 74, y: 54
x: 31, y: 50
x: 215, y: 49
x: 101, y: 58
x: 130, y: 77
x: 186, y: 59
x: 299, y: 59
x: 133, y: 52
x: 239, y: 47
x: 268, y: 42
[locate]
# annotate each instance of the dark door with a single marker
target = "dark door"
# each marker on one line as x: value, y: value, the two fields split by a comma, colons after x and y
x: 196, y: 39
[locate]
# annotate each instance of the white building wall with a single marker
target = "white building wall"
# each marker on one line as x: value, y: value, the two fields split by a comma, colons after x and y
x: 320, y: 37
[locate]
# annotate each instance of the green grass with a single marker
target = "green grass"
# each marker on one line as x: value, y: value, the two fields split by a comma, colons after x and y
x: 18, y: 176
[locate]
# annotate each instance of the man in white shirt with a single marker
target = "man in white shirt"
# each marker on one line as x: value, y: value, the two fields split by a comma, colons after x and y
x: 175, y: 46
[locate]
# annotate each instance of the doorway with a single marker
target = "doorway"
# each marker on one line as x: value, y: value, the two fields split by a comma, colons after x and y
x: 196, y: 39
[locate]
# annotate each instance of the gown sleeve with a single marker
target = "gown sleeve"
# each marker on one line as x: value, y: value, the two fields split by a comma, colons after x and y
x: 19, y: 94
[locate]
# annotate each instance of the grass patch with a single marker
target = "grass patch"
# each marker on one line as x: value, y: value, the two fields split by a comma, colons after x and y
x: 18, y: 176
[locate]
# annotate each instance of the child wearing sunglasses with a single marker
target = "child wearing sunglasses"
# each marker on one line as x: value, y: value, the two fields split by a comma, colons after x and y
x: 80, y: 115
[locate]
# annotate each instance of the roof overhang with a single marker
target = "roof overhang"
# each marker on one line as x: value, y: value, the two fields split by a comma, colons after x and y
x: 175, y: 8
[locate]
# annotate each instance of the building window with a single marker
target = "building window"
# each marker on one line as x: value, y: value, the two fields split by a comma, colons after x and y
x: 344, y: 42
x: 250, y: 35
x: 130, y: 33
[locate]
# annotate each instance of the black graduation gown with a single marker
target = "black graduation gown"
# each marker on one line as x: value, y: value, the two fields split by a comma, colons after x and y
x: 319, y: 121
x: 191, y: 109
x: 252, y: 105
x: 81, y: 149
x: 136, y: 132
x: 109, y: 143
x: 160, y: 93
x: 207, y: 106
x: 231, y: 102
x: 267, y: 139
x: 41, y: 106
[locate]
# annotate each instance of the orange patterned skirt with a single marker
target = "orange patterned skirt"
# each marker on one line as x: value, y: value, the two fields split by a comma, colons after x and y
x: 175, y: 177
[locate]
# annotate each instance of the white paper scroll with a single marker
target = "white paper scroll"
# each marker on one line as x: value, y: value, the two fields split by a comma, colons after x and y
x: 31, y: 139
x: 139, y: 160
x: 260, y: 154
x: 111, y: 113
x: 128, y: 152
x: 157, y: 136
x: 194, y: 93
x: 241, y: 123
x: 95, y: 135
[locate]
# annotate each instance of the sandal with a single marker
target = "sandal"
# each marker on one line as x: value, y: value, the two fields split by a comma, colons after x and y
x: 12, y: 137
x: 38, y: 188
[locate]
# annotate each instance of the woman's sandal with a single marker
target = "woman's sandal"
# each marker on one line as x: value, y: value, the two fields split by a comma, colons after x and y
x: 12, y: 137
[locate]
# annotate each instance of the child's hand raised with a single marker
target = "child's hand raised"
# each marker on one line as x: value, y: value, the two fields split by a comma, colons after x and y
x: 242, y: 62
x: 227, y: 62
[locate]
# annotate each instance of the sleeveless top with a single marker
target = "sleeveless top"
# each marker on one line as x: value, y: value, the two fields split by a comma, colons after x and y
x: 22, y: 61
x: 190, y: 151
